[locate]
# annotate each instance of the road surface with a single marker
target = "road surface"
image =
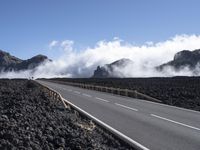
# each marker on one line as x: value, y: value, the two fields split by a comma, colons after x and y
x: 155, y: 126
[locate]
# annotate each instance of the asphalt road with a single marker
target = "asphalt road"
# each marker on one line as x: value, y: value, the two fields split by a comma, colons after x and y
x: 155, y: 126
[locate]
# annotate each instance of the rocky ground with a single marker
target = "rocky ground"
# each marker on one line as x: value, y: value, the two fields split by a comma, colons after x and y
x: 178, y: 91
x: 30, y: 119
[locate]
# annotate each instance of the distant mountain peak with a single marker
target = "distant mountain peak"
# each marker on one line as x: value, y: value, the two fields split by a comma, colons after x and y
x: 9, y: 62
x: 184, y: 58
x: 107, y: 70
x: 121, y: 62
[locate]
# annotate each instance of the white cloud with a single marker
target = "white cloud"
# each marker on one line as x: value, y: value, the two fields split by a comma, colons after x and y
x: 82, y: 63
x: 53, y: 44
x: 67, y: 45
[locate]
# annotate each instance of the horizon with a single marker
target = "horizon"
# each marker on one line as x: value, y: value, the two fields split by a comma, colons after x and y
x: 79, y: 36
x: 28, y: 28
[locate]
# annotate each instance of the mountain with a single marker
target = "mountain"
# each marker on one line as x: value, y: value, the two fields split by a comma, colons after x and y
x: 183, y: 59
x: 109, y: 70
x: 12, y: 63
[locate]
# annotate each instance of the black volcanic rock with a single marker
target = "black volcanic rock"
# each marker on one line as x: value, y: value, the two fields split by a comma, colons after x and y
x: 7, y: 61
x: 30, y: 119
x: 108, y: 70
x: 12, y: 63
x: 32, y: 63
x: 183, y: 59
x: 100, y: 72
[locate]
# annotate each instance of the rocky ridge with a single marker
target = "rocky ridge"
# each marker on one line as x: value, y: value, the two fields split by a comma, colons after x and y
x: 12, y: 63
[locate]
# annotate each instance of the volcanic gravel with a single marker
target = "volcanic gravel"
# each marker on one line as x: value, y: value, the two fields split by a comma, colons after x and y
x: 30, y: 119
x: 178, y: 91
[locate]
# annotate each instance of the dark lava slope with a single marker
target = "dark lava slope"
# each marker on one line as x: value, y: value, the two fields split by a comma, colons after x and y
x: 31, y: 120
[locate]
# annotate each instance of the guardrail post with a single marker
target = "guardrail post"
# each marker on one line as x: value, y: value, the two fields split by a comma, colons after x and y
x: 79, y: 111
x: 126, y: 92
x: 135, y: 94
x: 110, y: 90
x: 118, y: 91
x: 54, y: 95
x: 58, y: 97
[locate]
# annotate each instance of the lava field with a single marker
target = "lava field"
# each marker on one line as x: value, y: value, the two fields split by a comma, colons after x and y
x: 177, y: 91
x: 31, y: 120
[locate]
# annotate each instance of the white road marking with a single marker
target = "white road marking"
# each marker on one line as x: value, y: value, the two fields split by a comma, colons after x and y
x: 179, y: 123
x: 101, y: 99
x: 165, y: 105
x: 131, y: 141
x: 77, y: 92
x: 126, y: 107
x: 87, y: 95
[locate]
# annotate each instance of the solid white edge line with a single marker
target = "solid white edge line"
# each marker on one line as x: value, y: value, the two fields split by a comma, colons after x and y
x: 161, y: 104
x: 101, y: 99
x: 107, y: 126
x: 179, y: 123
x: 126, y: 107
x: 114, y: 131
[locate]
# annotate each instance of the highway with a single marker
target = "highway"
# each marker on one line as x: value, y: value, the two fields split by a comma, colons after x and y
x: 155, y: 126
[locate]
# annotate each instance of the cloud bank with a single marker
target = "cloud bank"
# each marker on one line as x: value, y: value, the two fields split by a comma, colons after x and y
x: 82, y: 63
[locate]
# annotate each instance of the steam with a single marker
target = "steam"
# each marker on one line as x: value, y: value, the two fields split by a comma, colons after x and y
x: 82, y: 63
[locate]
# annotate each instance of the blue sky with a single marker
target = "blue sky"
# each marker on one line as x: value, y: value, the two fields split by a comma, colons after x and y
x: 28, y: 26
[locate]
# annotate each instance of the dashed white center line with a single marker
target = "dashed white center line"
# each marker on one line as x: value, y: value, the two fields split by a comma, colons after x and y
x: 87, y: 95
x: 77, y: 92
x: 179, y: 123
x: 126, y: 107
x: 101, y: 99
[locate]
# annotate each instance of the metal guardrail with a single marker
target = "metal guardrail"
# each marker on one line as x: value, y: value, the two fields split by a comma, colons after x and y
x: 118, y: 91
x: 67, y: 104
